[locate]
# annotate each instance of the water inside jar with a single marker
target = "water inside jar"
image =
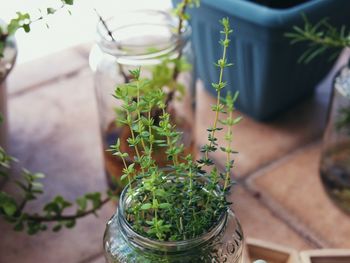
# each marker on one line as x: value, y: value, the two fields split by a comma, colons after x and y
x: 335, y: 174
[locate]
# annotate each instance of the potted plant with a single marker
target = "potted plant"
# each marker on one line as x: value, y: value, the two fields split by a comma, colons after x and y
x: 178, y: 213
x: 335, y: 157
x: 267, y: 75
x: 8, y: 52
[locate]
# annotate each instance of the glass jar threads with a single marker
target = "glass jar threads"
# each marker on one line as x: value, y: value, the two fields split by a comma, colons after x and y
x: 224, y: 242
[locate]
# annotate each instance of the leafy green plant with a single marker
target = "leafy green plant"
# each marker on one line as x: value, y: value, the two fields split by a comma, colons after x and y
x: 25, y: 21
x: 30, y: 188
x: 319, y: 38
x: 181, y: 201
x: 54, y: 213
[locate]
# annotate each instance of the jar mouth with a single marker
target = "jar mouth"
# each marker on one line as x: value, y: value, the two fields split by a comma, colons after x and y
x: 167, y: 246
x: 141, y: 34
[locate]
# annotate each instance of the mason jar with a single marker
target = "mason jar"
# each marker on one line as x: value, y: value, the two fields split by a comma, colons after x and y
x: 149, y: 40
x: 335, y: 158
x: 6, y: 64
x: 224, y: 242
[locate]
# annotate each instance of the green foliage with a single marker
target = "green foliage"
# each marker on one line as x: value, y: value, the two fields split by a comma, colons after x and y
x: 24, y: 21
x: 54, y: 213
x: 180, y: 201
x: 319, y: 38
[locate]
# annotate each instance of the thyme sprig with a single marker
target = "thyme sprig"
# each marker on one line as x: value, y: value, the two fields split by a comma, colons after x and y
x: 319, y: 37
x: 180, y: 201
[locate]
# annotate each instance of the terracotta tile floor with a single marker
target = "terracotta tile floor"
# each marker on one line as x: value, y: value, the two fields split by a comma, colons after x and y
x: 54, y: 129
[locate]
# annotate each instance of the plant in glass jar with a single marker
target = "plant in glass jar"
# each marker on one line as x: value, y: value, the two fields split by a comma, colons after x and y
x: 159, y: 43
x: 179, y: 212
x: 335, y: 159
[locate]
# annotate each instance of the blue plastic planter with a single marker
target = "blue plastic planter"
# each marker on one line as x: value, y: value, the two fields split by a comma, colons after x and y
x: 266, y: 72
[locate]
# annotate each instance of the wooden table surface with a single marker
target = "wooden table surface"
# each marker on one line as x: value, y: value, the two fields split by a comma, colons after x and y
x: 54, y: 129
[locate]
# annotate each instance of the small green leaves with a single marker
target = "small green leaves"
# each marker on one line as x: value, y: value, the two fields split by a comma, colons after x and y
x: 24, y: 20
x: 8, y: 204
x: 50, y: 10
x: 95, y: 198
x: 68, y: 2
x: 319, y: 38
x: 146, y: 206
x: 82, y: 204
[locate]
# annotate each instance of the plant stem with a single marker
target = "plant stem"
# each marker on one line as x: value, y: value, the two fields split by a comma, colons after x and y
x: 218, y: 99
x: 110, y: 33
x: 228, y: 154
x: 139, y: 114
x: 39, y: 218
x: 179, y: 56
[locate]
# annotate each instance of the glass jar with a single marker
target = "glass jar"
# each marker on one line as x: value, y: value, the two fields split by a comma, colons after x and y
x: 150, y: 40
x: 223, y: 243
x: 6, y: 64
x: 335, y: 159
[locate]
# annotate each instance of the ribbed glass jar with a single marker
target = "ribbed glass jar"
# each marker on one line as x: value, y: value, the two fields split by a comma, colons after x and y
x: 335, y: 159
x: 150, y: 40
x: 223, y: 243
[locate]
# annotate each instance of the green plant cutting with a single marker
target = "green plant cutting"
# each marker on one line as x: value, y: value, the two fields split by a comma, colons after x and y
x: 320, y: 38
x: 181, y: 201
x: 24, y: 21
x: 153, y: 189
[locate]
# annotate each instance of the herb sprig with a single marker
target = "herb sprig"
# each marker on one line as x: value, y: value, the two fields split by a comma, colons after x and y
x: 24, y: 20
x: 319, y: 37
x: 180, y: 201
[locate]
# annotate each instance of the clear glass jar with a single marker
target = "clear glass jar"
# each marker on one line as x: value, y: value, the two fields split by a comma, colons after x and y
x: 223, y: 243
x: 150, y: 40
x: 335, y: 159
x: 6, y: 64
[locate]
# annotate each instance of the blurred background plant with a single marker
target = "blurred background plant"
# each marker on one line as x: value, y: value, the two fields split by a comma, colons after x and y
x: 24, y: 20
x: 58, y: 212
x: 334, y: 168
x: 320, y: 38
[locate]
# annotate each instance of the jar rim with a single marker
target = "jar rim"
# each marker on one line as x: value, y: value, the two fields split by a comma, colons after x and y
x: 178, y: 246
x: 118, y: 42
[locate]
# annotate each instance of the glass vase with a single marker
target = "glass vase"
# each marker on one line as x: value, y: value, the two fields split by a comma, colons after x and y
x: 224, y: 242
x: 335, y: 159
x: 149, y: 40
x: 6, y: 64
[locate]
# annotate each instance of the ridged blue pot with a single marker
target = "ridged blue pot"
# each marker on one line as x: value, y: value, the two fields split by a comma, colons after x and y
x: 266, y: 72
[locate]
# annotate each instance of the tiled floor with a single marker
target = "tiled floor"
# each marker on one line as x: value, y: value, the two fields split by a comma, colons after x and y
x: 54, y: 129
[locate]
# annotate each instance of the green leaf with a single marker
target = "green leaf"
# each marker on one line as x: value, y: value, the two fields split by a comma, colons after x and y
x: 82, y: 203
x: 165, y: 206
x: 26, y: 28
x: 8, y: 204
x: 50, y: 10
x: 57, y: 228
x: 68, y: 2
x: 146, y: 206
x: 95, y: 198
x: 70, y: 223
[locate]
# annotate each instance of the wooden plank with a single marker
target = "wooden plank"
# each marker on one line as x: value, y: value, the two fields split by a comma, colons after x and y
x: 325, y: 256
x: 270, y: 252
